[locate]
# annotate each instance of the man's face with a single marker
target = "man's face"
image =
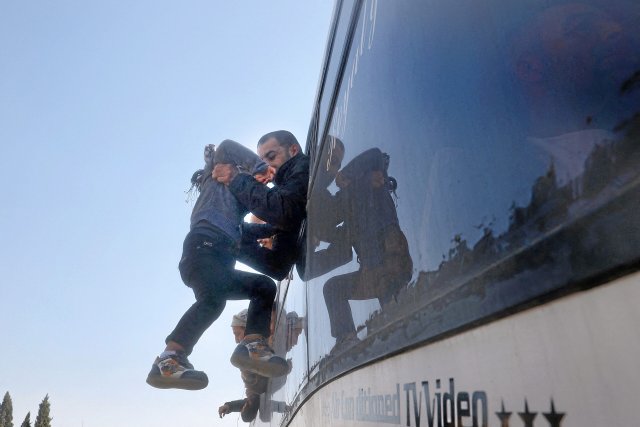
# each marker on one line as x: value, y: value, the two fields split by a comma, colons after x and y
x: 238, y: 333
x: 274, y: 154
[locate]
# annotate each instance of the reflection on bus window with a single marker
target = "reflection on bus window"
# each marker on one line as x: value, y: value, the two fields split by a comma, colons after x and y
x: 512, y: 131
x: 366, y: 221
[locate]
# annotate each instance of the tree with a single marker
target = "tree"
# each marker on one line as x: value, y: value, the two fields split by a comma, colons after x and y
x: 27, y: 420
x: 6, y: 411
x: 43, y: 419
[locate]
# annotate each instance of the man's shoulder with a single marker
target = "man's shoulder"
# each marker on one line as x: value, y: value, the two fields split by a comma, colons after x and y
x: 300, y: 161
x: 294, y: 172
x: 296, y: 165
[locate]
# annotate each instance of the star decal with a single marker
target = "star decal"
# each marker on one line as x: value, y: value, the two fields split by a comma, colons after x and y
x: 553, y: 417
x: 504, y: 416
x: 527, y: 416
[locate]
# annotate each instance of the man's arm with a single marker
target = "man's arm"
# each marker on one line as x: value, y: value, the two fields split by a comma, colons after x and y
x: 233, y: 406
x: 253, y: 232
x: 284, y: 205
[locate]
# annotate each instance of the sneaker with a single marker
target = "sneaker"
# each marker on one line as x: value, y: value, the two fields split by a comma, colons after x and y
x: 173, y: 370
x: 253, y: 354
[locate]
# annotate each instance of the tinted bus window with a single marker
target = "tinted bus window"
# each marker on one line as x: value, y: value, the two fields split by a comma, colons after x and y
x: 481, y: 157
x: 334, y: 59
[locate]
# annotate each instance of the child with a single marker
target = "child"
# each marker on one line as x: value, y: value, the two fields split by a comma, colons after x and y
x: 207, y: 267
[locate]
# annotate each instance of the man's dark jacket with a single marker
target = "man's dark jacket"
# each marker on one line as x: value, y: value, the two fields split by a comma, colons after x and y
x: 282, y: 207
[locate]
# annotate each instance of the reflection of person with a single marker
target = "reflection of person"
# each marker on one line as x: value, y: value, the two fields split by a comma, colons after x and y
x: 370, y: 226
x: 571, y: 60
x: 281, y: 340
x: 324, y: 215
x: 282, y: 207
x: 207, y: 267
x: 330, y: 164
x: 254, y: 384
x: 295, y: 327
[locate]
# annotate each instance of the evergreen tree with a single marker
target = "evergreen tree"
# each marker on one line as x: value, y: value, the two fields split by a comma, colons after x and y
x: 43, y: 419
x: 27, y: 420
x: 6, y: 411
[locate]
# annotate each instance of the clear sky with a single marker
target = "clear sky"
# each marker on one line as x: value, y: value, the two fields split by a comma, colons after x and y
x: 105, y: 108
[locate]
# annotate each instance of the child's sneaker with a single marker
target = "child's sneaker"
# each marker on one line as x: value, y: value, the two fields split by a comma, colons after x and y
x: 172, y: 370
x: 254, y: 355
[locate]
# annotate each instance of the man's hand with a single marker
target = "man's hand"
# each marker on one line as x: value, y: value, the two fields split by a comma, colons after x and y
x: 224, y: 173
x: 223, y: 410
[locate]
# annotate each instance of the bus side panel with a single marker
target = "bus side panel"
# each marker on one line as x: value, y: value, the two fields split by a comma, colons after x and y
x: 571, y: 363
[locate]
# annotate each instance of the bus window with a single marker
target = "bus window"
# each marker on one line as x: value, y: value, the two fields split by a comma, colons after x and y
x: 486, y: 150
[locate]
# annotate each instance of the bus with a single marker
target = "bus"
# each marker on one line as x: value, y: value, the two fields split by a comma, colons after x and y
x: 472, y: 242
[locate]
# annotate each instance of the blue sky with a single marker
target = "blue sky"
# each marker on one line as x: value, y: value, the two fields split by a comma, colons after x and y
x: 104, y: 111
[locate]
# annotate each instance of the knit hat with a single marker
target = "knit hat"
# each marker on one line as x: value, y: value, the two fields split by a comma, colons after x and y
x: 240, y: 319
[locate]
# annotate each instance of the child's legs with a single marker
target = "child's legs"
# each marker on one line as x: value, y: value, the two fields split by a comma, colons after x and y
x: 260, y: 291
x: 209, y: 273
